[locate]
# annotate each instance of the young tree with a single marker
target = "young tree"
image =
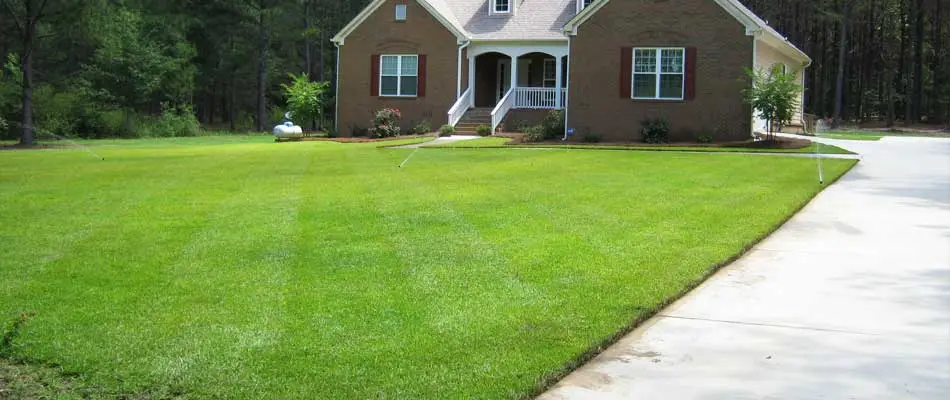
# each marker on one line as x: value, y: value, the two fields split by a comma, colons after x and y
x: 305, y: 98
x: 774, y: 96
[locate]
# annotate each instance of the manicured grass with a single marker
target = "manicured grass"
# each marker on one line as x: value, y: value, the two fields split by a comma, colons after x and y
x: 499, y: 142
x: 851, y: 136
x: 246, y: 269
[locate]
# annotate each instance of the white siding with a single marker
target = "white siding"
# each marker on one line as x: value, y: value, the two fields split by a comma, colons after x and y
x: 767, y: 56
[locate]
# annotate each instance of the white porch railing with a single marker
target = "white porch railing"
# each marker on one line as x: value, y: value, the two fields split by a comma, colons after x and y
x: 539, y: 98
x: 460, y: 107
x: 504, y: 105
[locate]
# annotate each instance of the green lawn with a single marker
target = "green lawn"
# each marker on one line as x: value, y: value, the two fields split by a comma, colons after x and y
x: 852, y: 135
x: 498, y: 142
x: 240, y: 268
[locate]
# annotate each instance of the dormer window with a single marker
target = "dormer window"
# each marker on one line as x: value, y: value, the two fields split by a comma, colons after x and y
x: 402, y: 11
x: 501, y: 6
x: 582, y: 4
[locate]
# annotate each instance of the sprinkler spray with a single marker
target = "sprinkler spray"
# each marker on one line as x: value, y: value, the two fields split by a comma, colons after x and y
x: 58, y: 137
x: 410, y: 156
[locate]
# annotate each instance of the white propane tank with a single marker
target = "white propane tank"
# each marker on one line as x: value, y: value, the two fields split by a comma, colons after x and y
x: 288, y: 131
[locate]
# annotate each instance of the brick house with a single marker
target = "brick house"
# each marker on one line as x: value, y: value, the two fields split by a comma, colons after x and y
x: 608, y: 64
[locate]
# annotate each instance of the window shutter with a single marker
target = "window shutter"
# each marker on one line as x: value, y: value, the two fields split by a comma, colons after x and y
x: 626, y: 71
x: 374, y: 75
x: 422, y: 76
x: 690, y: 73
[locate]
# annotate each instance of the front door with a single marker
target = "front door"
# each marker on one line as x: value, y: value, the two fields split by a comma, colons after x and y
x: 504, y: 79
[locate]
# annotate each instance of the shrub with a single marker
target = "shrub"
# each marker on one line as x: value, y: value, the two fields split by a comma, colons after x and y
x: 446, y: 130
x: 655, y: 130
x: 172, y: 123
x: 553, y: 124
x: 104, y: 124
x: 423, y: 127
x: 704, y: 137
x: 356, y: 131
x: 483, y: 130
x: 384, y: 125
x: 514, y: 125
x: 534, y: 133
x: 591, y: 138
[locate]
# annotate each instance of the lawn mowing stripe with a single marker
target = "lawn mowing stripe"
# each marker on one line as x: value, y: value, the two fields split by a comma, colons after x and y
x: 343, y: 308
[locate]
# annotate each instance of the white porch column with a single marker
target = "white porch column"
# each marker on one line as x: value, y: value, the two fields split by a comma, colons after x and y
x: 471, y: 76
x: 557, y: 75
x: 514, y: 72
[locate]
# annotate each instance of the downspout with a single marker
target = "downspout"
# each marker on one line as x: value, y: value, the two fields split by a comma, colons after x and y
x: 458, y: 86
x: 567, y: 97
x: 336, y: 118
x: 755, y: 59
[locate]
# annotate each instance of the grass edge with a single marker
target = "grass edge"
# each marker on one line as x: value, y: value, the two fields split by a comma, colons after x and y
x: 549, y: 381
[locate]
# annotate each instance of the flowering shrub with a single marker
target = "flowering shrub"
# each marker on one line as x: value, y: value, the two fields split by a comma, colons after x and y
x: 385, y: 123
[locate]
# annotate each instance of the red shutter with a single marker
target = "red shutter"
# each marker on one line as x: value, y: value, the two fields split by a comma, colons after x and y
x: 690, y: 73
x: 422, y: 75
x: 626, y: 71
x: 374, y: 75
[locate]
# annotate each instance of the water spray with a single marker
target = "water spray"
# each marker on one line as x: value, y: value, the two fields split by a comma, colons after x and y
x: 62, y: 138
x: 410, y: 156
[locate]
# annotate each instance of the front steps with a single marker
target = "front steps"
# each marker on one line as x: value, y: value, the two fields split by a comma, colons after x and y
x: 472, y: 119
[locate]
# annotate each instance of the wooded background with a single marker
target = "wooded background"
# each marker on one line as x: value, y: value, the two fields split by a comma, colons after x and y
x: 95, y: 68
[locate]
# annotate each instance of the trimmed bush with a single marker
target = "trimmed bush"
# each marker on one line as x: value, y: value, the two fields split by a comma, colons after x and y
x: 423, y: 127
x: 553, y: 125
x: 483, y: 130
x: 704, y: 137
x: 655, y: 130
x: 534, y: 134
x: 446, y: 130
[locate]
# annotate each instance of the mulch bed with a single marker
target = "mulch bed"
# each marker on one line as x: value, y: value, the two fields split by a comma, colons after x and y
x: 778, y: 143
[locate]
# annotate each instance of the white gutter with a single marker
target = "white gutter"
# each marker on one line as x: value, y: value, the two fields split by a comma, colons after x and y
x: 458, y: 80
x: 567, y: 97
x: 336, y: 118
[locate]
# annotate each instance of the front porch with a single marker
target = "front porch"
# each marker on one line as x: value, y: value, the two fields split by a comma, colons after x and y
x: 507, y: 77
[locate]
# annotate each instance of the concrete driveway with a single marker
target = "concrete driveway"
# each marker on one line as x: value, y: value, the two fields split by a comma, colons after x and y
x: 849, y: 300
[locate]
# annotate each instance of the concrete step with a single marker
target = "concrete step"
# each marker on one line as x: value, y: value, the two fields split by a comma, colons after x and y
x: 471, y: 127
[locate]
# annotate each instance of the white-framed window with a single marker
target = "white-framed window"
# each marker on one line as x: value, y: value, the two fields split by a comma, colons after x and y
x: 549, y: 73
x: 399, y: 75
x: 501, y: 6
x: 402, y: 12
x: 659, y: 73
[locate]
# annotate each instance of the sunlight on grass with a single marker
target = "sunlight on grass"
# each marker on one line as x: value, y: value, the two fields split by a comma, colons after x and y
x: 851, y: 136
x: 235, y: 267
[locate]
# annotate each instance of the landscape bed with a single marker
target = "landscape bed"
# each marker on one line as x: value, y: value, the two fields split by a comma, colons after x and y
x: 506, y: 142
x: 241, y: 268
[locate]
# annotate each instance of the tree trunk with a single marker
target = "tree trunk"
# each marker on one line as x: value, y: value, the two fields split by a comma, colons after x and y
x: 261, y: 70
x: 936, y: 63
x: 308, y: 57
x: 918, y: 95
x: 842, y: 52
x: 28, y: 136
x: 889, y: 82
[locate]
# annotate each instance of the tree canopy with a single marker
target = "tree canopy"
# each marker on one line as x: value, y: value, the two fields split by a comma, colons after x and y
x: 98, y: 67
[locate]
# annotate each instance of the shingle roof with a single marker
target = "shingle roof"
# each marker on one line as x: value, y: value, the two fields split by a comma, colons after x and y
x: 533, y: 20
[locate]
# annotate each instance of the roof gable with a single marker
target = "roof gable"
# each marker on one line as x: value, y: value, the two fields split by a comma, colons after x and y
x: 753, y: 24
x: 437, y: 8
